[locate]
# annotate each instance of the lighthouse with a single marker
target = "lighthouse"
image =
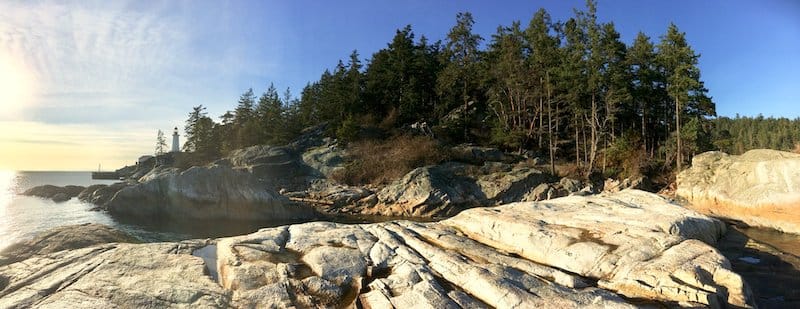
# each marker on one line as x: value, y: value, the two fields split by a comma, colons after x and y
x: 175, y: 143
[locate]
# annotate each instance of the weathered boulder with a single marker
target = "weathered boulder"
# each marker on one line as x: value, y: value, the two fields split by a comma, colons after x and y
x: 101, y: 194
x: 278, y: 167
x: 429, y: 191
x: 570, y: 185
x: 510, y: 186
x: 87, y: 193
x: 208, y: 192
x: 760, y: 187
x: 55, y: 193
x: 543, y: 192
x: 325, y: 159
x: 64, y: 238
x: 638, y: 183
x: 562, y: 253
x: 336, y: 194
x: 156, y: 172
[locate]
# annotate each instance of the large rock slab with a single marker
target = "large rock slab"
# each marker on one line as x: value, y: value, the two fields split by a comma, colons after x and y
x: 569, y: 252
x: 64, y: 238
x: 760, y: 187
x: 209, y: 192
x: 162, y: 275
x: 601, y: 251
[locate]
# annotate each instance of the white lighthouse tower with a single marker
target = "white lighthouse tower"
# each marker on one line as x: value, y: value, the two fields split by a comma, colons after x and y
x: 175, y: 143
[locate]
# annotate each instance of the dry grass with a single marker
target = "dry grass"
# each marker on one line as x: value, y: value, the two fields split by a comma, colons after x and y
x: 382, y: 161
x: 796, y: 148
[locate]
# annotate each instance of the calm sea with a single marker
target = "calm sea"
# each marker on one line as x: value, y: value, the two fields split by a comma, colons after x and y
x: 21, y: 217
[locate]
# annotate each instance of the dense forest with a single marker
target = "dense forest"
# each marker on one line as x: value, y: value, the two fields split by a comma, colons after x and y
x: 570, y: 91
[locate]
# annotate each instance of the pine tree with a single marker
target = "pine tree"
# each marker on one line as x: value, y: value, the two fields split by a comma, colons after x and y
x: 545, y: 58
x: 679, y: 65
x: 459, y: 80
x: 191, y: 128
x: 644, y: 77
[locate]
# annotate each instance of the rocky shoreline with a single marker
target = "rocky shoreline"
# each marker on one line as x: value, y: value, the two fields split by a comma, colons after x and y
x: 515, y: 237
x: 609, y: 250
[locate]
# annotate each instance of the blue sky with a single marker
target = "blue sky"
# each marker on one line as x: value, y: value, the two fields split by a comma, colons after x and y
x: 98, y: 78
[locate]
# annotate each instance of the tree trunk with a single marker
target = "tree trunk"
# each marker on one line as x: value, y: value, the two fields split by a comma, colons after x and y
x: 577, y: 144
x: 644, y: 126
x: 593, y: 135
x: 550, y: 142
x: 678, y: 133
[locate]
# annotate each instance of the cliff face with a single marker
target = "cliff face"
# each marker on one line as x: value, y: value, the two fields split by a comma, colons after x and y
x: 214, y: 191
x: 760, y: 187
x: 568, y: 252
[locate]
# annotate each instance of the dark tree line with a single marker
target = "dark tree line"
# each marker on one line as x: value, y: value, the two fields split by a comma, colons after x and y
x: 570, y: 90
x: 740, y: 134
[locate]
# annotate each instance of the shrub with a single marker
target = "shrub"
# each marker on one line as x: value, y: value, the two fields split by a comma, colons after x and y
x: 626, y: 157
x: 348, y: 130
x: 382, y: 161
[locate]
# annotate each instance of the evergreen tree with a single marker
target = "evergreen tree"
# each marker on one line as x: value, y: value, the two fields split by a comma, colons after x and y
x: 191, y: 128
x: 269, y: 116
x: 511, y: 94
x: 679, y: 64
x: 545, y: 60
x: 459, y: 81
x: 641, y: 59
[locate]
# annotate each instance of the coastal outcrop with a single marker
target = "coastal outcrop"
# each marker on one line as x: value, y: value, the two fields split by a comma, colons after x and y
x: 760, y: 187
x: 214, y: 191
x: 100, y: 194
x: 55, y: 193
x: 616, y: 250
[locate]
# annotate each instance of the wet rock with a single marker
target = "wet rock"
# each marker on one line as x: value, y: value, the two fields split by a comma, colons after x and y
x: 760, y: 187
x: 773, y: 274
x: 102, y: 193
x: 55, y: 193
x: 87, y: 193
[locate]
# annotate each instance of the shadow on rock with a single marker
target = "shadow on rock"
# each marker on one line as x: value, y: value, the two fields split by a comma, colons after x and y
x: 774, y: 276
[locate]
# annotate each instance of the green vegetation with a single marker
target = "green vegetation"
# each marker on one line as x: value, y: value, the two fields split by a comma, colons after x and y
x: 568, y: 90
x: 739, y: 134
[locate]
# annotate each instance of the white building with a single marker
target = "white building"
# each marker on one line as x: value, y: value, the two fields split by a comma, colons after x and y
x: 175, y: 144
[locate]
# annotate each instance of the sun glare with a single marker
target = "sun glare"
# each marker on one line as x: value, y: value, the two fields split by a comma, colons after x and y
x: 16, y: 86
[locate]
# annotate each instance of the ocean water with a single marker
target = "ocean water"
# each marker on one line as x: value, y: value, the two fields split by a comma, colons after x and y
x: 22, y: 217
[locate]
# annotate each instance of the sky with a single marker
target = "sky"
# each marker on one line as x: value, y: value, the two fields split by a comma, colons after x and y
x: 87, y: 84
